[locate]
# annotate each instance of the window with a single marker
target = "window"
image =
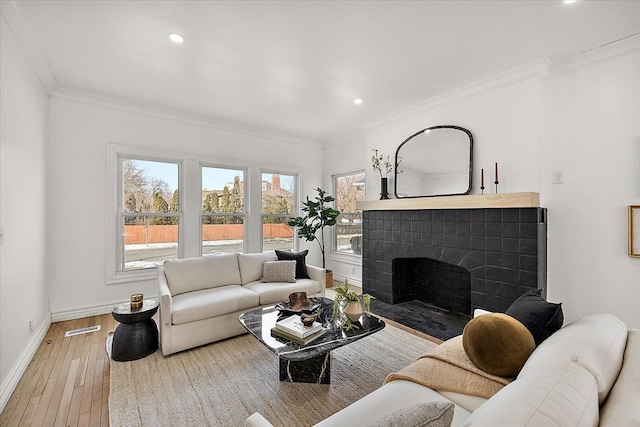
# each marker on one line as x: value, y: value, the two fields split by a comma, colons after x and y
x: 278, y: 206
x: 223, y: 212
x: 349, y: 189
x: 149, y: 214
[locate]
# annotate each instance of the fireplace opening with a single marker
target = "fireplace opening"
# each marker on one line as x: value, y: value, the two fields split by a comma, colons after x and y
x: 439, y: 284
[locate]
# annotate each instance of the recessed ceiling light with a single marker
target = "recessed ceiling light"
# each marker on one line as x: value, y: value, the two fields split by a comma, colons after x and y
x: 358, y: 101
x: 176, y: 38
x: 569, y: 1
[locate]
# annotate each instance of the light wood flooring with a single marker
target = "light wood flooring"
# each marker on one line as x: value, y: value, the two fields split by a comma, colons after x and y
x: 67, y: 382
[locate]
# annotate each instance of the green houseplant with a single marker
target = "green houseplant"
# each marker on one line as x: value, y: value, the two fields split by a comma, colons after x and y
x: 318, y: 216
x: 343, y: 313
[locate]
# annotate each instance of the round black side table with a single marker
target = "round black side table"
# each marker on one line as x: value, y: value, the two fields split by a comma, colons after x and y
x: 137, y: 335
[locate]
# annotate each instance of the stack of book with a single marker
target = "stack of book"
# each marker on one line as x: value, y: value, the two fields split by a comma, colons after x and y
x: 292, y: 329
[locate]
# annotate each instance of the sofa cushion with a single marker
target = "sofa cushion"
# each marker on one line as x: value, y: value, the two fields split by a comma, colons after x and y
x: 622, y: 406
x: 595, y: 342
x: 273, y: 293
x: 497, y: 343
x: 564, y: 394
x: 207, y: 303
x: 299, y: 258
x: 423, y: 414
x: 279, y: 271
x: 542, y: 318
x: 251, y: 265
x: 193, y: 274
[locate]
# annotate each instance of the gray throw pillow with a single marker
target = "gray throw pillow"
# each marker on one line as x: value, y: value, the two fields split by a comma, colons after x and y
x: 279, y: 271
x: 424, y: 414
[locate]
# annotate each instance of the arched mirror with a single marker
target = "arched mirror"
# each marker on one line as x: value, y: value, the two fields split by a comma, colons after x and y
x: 437, y: 161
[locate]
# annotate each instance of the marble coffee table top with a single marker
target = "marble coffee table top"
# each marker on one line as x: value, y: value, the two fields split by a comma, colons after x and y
x: 260, y: 322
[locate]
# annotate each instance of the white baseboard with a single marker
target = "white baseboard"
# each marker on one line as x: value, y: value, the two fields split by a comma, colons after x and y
x: 78, y: 313
x: 11, y: 382
x: 352, y: 280
x: 95, y: 310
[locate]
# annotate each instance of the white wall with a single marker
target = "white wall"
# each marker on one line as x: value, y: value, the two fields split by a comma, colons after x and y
x: 582, y: 121
x: 80, y: 131
x: 591, y: 131
x: 24, y: 293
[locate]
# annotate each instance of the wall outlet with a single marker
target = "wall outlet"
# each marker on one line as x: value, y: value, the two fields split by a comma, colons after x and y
x: 353, y: 270
x: 30, y: 326
x: 557, y: 177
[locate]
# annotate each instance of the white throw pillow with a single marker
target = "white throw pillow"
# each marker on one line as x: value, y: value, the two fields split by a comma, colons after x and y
x: 423, y: 414
x: 279, y: 271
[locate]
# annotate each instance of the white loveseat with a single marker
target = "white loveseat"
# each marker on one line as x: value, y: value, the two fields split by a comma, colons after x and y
x: 201, y: 298
x: 585, y: 374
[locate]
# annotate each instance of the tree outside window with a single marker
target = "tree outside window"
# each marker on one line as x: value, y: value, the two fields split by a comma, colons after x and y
x: 150, y: 213
x: 223, y: 213
x: 278, y: 206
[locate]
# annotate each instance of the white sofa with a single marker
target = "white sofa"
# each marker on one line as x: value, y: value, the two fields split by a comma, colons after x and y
x: 201, y: 298
x: 585, y: 374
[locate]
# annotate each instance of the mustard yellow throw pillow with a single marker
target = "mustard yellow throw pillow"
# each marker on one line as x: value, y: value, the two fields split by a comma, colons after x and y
x: 498, y: 344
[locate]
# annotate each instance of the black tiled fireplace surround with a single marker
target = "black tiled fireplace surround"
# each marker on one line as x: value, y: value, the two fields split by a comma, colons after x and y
x: 503, y: 249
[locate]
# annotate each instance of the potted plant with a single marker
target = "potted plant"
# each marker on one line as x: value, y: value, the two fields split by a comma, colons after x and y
x: 348, y: 306
x: 318, y: 215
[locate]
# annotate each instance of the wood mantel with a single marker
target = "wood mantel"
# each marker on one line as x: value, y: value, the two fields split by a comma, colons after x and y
x: 478, y: 201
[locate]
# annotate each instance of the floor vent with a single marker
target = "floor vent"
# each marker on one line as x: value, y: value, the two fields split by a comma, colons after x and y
x: 82, y: 331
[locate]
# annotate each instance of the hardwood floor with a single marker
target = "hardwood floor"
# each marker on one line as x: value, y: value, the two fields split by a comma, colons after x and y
x: 67, y: 382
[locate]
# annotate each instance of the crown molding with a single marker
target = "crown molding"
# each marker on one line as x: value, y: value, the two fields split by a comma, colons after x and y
x: 536, y: 69
x: 25, y: 36
x: 606, y: 52
x: 123, y: 105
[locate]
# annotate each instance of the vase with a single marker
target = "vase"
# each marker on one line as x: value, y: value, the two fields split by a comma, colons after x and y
x: 353, y: 310
x: 384, y: 193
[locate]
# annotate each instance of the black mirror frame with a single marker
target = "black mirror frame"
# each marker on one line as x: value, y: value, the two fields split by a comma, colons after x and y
x: 395, y: 177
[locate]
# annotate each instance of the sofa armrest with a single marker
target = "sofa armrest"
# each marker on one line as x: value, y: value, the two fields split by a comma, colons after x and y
x: 166, y: 307
x: 165, y: 297
x: 318, y: 274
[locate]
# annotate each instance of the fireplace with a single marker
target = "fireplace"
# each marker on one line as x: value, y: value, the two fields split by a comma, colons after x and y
x: 434, y: 282
x: 456, y: 259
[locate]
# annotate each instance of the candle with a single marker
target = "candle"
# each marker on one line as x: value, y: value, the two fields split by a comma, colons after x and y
x: 481, y: 177
x: 497, y: 172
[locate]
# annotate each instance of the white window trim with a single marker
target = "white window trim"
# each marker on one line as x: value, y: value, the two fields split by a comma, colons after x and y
x: 296, y: 200
x: 115, y: 153
x: 244, y: 214
x: 190, y: 225
x: 333, y: 254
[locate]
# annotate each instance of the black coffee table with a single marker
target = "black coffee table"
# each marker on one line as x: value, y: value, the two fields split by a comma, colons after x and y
x: 309, y: 363
x: 137, y: 335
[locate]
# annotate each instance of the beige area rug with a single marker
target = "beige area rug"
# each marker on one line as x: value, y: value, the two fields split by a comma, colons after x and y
x: 221, y: 384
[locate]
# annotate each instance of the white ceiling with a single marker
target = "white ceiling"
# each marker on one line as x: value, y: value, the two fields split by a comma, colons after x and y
x: 295, y: 67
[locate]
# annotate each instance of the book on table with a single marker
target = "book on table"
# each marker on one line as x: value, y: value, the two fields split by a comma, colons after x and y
x: 303, y: 341
x: 293, y: 326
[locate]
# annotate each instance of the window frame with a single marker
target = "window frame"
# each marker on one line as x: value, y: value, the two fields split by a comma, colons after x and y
x: 189, y: 186
x: 243, y: 214
x: 115, y: 236
x: 296, y: 201
x: 334, y: 239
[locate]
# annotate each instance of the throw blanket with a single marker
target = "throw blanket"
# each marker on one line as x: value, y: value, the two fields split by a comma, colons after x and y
x: 447, y: 368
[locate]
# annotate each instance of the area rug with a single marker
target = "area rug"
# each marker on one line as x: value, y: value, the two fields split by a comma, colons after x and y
x: 221, y: 384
